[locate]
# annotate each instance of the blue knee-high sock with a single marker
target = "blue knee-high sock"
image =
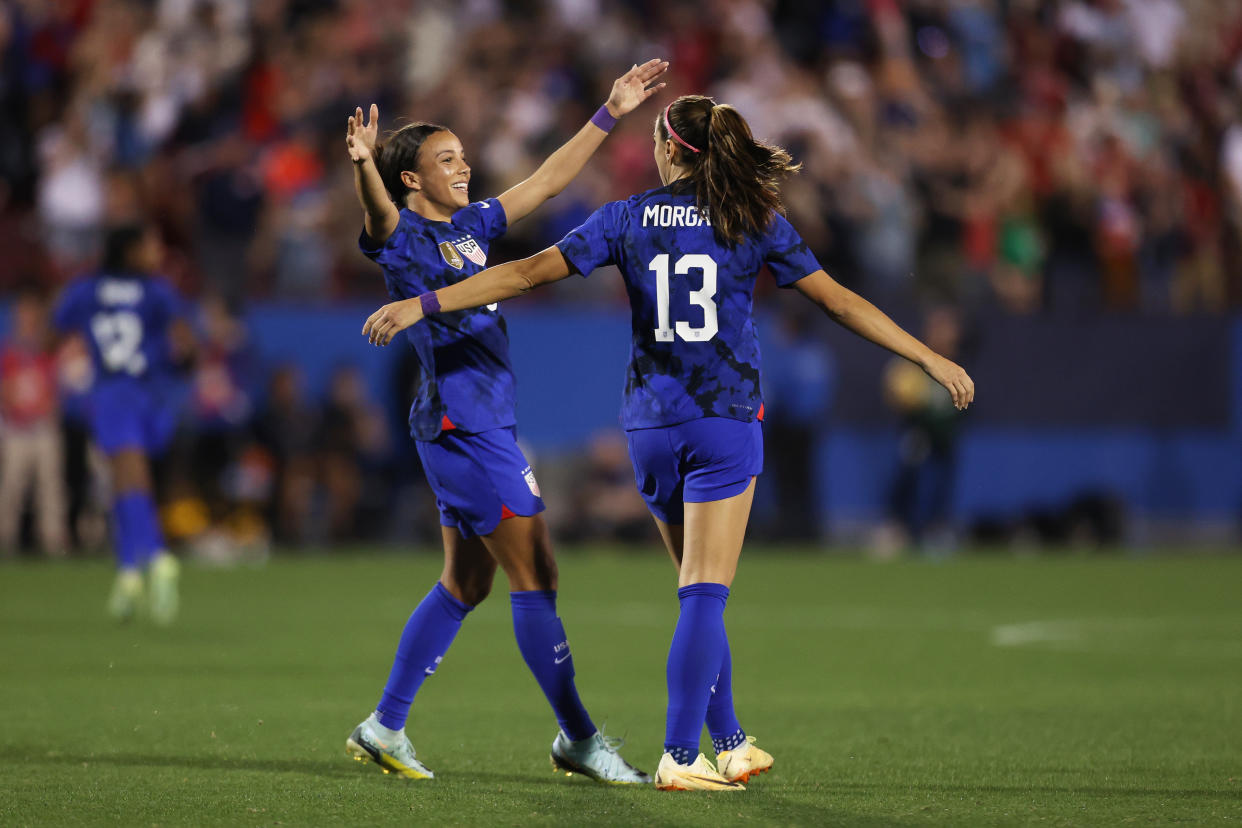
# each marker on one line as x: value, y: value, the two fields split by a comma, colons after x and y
x: 128, y: 531
x: 431, y: 629
x: 151, y: 536
x: 694, y: 661
x: 545, y: 648
x: 722, y: 722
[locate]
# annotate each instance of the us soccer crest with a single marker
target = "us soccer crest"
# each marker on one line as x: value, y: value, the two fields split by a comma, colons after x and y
x: 451, y: 255
x: 473, y: 251
x: 529, y: 474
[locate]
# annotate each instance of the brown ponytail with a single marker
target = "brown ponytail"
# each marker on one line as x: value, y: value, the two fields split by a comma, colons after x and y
x: 736, y: 178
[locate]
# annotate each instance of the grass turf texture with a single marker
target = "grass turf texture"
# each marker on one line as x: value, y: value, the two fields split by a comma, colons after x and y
x: 1060, y: 692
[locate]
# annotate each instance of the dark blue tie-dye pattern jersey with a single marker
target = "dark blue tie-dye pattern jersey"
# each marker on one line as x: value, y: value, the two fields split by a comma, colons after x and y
x: 694, y: 352
x: 464, y: 372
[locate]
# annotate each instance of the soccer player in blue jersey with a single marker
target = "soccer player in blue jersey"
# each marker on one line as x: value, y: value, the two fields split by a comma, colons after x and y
x: 133, y: 324
x: 690, y: 252
x: 421, y: 228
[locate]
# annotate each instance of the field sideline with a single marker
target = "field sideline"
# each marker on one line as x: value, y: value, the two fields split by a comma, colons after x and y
x: 976, y: 691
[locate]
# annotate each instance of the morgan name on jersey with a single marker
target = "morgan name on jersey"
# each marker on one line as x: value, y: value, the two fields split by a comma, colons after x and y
x: 674, y: 215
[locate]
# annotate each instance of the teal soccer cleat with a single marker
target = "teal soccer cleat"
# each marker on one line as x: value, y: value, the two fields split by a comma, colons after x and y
x: 126, y: 598
x: 165, y: 599
x: 595, y: 758
x: 393, y: 755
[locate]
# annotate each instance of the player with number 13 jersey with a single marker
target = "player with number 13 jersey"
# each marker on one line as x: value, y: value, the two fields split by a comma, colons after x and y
x: 694, y: 350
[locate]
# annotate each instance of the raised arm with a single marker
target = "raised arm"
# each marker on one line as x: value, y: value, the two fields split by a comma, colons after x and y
x: 562, y: 166
x: 380, y: 214
x: 865, y: 319
x: 492, y: 285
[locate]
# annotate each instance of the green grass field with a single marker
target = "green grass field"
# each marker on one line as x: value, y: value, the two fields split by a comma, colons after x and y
x: 977, y: 691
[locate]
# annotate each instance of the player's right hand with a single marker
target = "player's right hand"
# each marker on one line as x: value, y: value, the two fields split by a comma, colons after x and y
x: 954, y: 378
x: 360, y: 136
x: 392, y: 319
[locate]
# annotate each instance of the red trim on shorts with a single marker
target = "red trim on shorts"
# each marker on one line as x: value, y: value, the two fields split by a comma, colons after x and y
x: 446, y: 424
x: 760, y: 413
x: 506, y: 512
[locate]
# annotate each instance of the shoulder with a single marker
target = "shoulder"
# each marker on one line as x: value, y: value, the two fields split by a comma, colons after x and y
x: 161, y: 286
x: 656, y: 194
x: 481, y: 215
x: 78, y: 291
x: 401, y: 242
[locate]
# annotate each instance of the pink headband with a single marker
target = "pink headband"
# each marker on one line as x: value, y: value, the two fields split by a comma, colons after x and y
x: 676, y: 137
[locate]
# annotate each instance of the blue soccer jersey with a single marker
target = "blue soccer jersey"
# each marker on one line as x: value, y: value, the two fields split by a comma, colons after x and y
x: 694, y: 352
x: 464, y: 372
x: 125, y: 321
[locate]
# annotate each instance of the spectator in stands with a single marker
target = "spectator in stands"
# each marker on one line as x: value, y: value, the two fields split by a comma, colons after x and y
x: 798, y: 381
x: 31, y: 454
x: 286, y: 428
x: 352, y: 445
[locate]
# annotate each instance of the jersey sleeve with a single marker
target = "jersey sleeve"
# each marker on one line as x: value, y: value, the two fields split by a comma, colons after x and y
x: 787, y: 255
x: 593, y: 244
x: 393, y: 252
x: 172, y: 305
x: 483, y: 219
x: 68, y: 314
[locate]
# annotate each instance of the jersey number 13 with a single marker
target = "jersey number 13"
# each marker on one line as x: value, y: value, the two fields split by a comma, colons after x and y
x: 704, y: 297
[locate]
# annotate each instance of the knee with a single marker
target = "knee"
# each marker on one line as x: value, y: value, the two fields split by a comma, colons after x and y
x: 469, y: 588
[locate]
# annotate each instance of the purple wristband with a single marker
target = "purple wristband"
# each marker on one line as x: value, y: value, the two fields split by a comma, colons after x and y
x: 429, y: 302
x: 603, y: 120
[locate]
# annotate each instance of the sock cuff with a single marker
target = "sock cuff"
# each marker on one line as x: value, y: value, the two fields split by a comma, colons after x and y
x: 705, y: 589
x: 458, y: 609
x: 534, y: 599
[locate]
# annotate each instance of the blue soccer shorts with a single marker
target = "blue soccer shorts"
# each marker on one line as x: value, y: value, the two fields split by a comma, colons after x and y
x: 694, y: 462
x: 130, y: 415
x: 479, y: 479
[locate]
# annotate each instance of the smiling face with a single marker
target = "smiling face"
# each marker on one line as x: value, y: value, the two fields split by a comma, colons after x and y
x: 441, y: 182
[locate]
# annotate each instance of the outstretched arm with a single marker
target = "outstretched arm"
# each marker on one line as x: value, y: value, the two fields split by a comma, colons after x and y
x: 562, y: 166
x: 865, y: 319
x: 380, y: 214
x: 492, y: 285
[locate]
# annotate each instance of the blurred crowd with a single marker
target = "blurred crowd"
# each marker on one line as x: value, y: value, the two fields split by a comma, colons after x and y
x: 1014, y: 156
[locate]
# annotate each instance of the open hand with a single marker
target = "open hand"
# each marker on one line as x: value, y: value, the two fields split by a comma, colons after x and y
x: 954, y: 378
x: 630, y: 90
x: 392, y: 319
x: 360, y: 137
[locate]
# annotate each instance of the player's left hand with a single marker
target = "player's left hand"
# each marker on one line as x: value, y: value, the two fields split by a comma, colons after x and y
x: 630, y: 90
x: 392, y: 319
x: 954, y: 378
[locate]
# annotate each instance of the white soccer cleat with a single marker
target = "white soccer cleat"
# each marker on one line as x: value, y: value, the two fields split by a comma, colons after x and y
x: 744, y: 761
x: 393, y: 755
x: 126, y: 596
x: 165, y: 599
x: 697, y: 776
x: 595, y: 758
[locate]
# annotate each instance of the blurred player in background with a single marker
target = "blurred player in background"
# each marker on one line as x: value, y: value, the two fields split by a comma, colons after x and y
x: 690, y: 252
x: 922, y: 491
x: 421, y: 228
x: 132, y: 321
x: 31, y: 448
